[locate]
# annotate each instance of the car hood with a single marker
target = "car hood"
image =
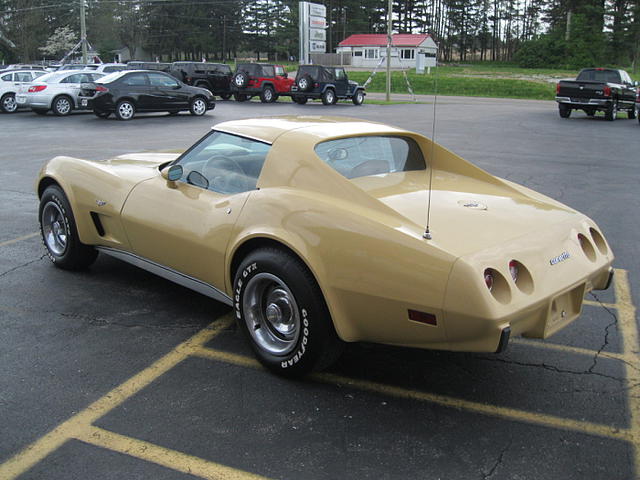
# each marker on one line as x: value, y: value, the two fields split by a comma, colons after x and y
x: 466, y: 214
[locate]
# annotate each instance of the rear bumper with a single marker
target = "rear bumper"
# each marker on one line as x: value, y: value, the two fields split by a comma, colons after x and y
x: 585, y: 102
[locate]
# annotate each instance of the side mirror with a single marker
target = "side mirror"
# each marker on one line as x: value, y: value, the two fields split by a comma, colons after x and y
x: 172, y: 174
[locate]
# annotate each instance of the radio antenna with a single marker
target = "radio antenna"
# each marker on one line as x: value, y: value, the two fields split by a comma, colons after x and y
x: 427, y: 233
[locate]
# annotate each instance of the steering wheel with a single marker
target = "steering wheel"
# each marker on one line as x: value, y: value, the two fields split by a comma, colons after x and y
x: 225, y: 175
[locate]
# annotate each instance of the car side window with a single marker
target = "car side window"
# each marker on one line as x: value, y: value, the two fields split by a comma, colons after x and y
x: 135, y: 80
x: 159, y: 80
x: 76, y: 78
x: 224, y: 163
x: 279, y: 71
x: 371, y: 155
x: 340, y: 75
x: 22, y: 77
x: 7, y: 78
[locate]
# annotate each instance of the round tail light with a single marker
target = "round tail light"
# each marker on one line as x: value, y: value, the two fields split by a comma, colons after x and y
x: 513, y: 270
x: 488, y: 279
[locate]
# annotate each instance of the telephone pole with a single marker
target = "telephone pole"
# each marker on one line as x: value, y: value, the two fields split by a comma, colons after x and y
x: 83, y: 32
x: 389, y: 40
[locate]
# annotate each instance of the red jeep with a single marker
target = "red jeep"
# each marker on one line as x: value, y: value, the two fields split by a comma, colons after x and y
x: 268, y: 81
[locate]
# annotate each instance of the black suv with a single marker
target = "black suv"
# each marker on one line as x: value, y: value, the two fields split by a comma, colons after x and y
x: 215, y: 77
x: 327, y: 83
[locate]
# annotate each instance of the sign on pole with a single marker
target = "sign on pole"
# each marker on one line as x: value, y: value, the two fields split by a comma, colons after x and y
x: 313, y: 35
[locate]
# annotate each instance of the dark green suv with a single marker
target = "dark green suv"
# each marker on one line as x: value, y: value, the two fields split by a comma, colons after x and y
x: 329, y: 84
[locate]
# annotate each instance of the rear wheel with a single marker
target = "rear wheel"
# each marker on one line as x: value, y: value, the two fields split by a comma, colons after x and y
x: 101, y: 114
x: 631, y: 114
x: 62, y: 105
x: 282, y: 312
x: 59, y: 232
x: 267, y: 95
x: 198, y: 106
x: 329, y: 97
x: 300, y: 100
x: 225, y: 96
x: 240, y: 97
x: 8, y: 103
x: 612, y: 112
x: 564, y: 110
x: 125, y: 110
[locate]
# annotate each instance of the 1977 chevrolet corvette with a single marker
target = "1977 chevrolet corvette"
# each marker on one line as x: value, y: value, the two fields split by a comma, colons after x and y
x: 313, y: 230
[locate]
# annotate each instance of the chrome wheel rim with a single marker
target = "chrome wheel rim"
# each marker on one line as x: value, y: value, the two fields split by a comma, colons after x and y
x: 268, y: 95
x: 54, y: 228
x: 303, y: 83
x: 199, y: 107
x: 329, y: 97
x: 271, y: 314
x: 239, y: 80
x: 63, y: 106
x: 9, y: 104
x: 125, y: 110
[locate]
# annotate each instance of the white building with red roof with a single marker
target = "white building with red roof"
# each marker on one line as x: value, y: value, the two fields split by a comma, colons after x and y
x: 406, y: 49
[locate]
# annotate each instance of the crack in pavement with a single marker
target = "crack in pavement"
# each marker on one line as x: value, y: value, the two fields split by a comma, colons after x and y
x: 500, y: 459
x: 551, y: 368
x: 22, y: 266
x: 606, y: 332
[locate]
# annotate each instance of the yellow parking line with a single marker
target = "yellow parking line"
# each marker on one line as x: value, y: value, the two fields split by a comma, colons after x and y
x: 459, y: 404
x: 566, y: 348
x: 80, y: 422
x: 629, y: 328
x: 166, y: 457
x: 19, y: 239
x: 599, y: 304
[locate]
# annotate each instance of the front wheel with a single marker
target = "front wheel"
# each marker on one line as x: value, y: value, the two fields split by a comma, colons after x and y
x: 59, y: 232
x: 62, y: 106
x: 198, y: 107
x: 239, y: 97
x: 280, y: 309
x: 267, y: 95
x: 563, y: 110
x: 300, y: 100
x: 8, y: 103
x: 358, y: 98
x: 125, y: 110
x: 631, y: 113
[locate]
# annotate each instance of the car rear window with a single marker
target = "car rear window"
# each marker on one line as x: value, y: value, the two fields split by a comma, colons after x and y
x: 371, y: 155
x: 604, y: 76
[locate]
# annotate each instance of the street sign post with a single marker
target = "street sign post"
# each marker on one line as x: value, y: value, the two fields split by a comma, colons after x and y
x: 313, y: 26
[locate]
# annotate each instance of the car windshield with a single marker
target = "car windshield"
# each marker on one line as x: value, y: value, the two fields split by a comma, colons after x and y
x: 371, y: 155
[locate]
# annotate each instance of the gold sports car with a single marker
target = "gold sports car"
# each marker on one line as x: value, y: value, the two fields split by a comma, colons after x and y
x: 314, y: 230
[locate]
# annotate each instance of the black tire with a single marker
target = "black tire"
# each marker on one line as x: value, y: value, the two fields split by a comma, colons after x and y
x: 590, y: 113
x: 358, y: 97
x: 101, y: 114
x: 300, y: 100
x: 8, y: 103
x: 329, y: 97
x: 198, y: 106
x: 305, y: 83
x: 268, y: 94
x: 125, y: 110
x: 240, y: 79
x: 564, y: 110
x: 59, y: 233
x: 239, y: 97
x: 39, y: 111
x: 62, y: 105
x: 612, y: 112
x: 225, y: 96
x: 299, y: 337
x: 631, y: 113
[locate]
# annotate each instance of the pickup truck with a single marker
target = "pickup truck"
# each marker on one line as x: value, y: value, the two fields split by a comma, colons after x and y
x: 597, y: 89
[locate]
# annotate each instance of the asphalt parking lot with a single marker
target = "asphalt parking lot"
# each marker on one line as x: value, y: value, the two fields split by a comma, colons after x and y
x: 114, y: 373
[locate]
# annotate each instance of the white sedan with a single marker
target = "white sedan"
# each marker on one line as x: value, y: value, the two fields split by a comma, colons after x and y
x: 10, y: 82
x: 56, y: 91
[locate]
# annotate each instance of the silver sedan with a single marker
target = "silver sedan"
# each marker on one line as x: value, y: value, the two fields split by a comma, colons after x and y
x: 56, y: 91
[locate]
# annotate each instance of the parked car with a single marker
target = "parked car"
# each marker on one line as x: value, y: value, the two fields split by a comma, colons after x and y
x: 10, y: 82
x: 78, y: 66
x: 313, y: 230
x: 215, y: 77
x: 267, y: 81
x: 20, y: 66
x: 55, y: 91
x: 329, y: 84
x: 111, y: 67
x: 127, y: 92
x: 597, y: 90
x: 137, y: 65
